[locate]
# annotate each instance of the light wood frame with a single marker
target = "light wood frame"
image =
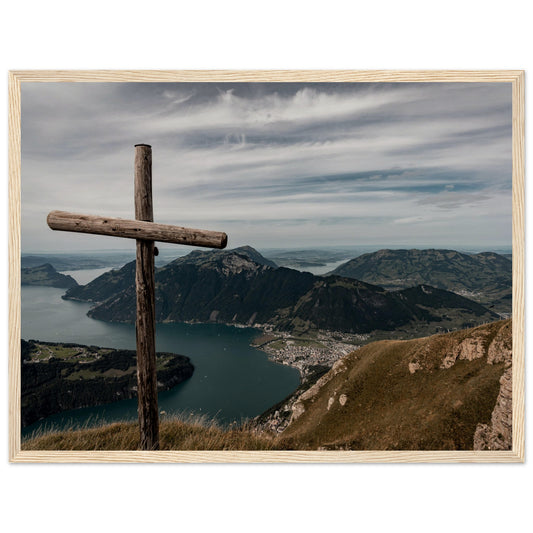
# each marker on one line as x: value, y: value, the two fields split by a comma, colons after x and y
x: 16, y: 78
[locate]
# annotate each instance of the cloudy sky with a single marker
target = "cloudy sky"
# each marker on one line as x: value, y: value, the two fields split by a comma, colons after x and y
x: 274, y: 165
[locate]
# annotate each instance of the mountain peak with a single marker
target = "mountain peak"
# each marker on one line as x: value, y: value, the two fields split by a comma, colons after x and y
x: 253, y: 254
x: 204, y: 257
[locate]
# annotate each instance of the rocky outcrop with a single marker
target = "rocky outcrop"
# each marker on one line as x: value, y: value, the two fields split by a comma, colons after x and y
x: 298, y: 408
x: 276, y: 418
x: 498, y: 434
x: 501, y: 347
x: 468, y: 350
x: 476, y: 343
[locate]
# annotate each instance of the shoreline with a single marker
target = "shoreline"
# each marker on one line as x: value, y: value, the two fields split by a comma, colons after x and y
x: 306, y: 353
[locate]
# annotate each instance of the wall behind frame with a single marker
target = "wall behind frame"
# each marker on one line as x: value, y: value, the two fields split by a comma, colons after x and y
x: 404, y: 35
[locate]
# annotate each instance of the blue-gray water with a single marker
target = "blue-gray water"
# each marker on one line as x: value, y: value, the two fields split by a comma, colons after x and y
x: 231, y: 381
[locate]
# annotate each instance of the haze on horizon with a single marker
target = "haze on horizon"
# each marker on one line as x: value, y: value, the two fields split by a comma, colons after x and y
x: 278, y: 165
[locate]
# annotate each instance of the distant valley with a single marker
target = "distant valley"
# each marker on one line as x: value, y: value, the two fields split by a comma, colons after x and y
x: 72, y: 262
x: 306, y: 259
x: 86, y: 261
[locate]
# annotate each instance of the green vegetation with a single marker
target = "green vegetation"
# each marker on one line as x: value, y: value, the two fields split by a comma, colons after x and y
x: 42, y: 351
x: 278, y: 344
x: 265, y: 338
x: 61, y: 376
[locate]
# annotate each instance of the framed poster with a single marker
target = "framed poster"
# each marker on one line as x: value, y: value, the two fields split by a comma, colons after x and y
x: 369, y: 306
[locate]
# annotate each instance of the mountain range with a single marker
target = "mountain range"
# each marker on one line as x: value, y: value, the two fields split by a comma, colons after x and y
x: 240, y: 286
x: 484, y: 277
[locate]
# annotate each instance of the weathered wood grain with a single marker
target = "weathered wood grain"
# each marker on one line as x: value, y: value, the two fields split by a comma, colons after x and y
x: 135, y: 229
x: 145, y: 290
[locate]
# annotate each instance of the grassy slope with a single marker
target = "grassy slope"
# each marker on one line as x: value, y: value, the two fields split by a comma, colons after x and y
x: 387, y: 405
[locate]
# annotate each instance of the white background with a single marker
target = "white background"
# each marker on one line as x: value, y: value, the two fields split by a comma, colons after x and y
x: 306, y: 34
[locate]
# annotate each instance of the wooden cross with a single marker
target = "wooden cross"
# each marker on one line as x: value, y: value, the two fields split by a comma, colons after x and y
x: 145, y: 231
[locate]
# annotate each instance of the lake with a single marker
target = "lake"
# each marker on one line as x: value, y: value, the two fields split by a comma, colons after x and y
x: 231, y: 381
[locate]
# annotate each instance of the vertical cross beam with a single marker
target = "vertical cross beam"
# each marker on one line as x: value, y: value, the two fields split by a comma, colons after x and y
x: 145, y: 289
x: 145, y: 231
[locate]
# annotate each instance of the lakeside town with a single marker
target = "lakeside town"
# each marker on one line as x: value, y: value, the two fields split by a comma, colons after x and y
x: 309, y: 353
x: 305, y: 352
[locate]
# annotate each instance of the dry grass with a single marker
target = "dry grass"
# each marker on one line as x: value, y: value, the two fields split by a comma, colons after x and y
x: 175, y: 434
x: 388, y: 407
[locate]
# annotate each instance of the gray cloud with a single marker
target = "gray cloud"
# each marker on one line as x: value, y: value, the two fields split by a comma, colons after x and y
x: 275, y: 164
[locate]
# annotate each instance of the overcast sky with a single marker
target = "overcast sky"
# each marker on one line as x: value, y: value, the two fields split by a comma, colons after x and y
x: 274, y: 165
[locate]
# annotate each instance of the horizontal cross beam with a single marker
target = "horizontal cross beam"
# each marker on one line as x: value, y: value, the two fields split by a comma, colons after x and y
x: 135, y: 229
